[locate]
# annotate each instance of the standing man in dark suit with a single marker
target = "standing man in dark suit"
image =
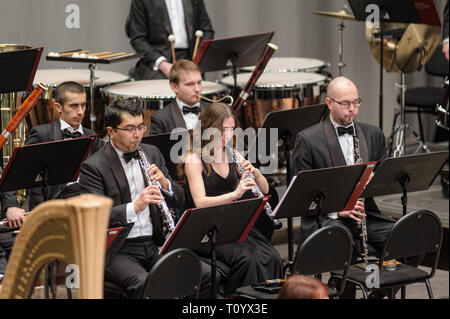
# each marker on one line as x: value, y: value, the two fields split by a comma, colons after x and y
x: 330, y: 143
x: 116, y: 172
x: 148, y: 26
x: 186, y: 82
x: 70, y: 102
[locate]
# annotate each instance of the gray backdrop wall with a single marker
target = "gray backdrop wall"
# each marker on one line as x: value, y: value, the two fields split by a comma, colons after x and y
x: 299, y: 33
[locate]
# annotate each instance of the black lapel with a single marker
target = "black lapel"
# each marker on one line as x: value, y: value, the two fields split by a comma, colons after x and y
x: 337, y: 157
x: 165, y: 15
x: 118, y: 172
x: 57, y: 130
x: 363, y: 148
x: 176, y: 115
x: 188, y: 17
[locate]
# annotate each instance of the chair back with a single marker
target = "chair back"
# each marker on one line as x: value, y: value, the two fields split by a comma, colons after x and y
x: 437, y: 65
x: 415, y: 234
x: 327, y: 249
x: 176, y: 275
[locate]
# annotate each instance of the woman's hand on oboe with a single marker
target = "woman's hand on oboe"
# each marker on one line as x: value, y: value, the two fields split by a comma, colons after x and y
x: 245, y: 184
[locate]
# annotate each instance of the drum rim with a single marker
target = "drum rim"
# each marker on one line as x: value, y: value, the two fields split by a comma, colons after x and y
x: 84, y: 85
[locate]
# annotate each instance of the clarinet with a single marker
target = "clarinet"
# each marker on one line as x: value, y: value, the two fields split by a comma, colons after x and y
x: 255, y: 189
x: 362, y: 224
x: 168, y: 224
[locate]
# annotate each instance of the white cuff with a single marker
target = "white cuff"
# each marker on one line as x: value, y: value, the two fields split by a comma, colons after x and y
x: 158, y: 62
x: 169, y: 192
x: 445, y: 40
x: 131, y: 214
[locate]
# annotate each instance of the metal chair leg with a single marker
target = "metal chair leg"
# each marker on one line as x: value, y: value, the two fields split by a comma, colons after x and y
x: 429, y: 290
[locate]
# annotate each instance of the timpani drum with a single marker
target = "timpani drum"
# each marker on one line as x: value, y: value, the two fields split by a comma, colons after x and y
x: 153, y: 95
x: 279, y: 91
x: 292, y: 64
x: 45, y: 112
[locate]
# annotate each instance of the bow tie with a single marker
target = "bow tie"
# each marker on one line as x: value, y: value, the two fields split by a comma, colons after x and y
x: 67, y: 134
x: 194, y: 109
x: 345, y: 130
x: 131, y: 155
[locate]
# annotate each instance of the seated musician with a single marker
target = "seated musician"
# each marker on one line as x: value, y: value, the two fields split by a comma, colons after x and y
x: 212, y: 179
x: 116, y: 171
x: 186, y: 82
x: 70, y: 102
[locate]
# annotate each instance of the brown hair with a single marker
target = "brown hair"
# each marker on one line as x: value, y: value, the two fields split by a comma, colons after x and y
x: 303, y: 287
x: 212, y: 116
x: 69, y: 86
x: 181, y: 66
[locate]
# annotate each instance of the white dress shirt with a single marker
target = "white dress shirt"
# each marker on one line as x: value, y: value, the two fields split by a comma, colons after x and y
x: 190, y: 119
x: 65, y: 125
x: 346, y: 142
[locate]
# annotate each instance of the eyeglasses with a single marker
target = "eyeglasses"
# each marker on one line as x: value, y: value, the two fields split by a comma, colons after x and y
x: 346, y: 104
x: 131, y: 129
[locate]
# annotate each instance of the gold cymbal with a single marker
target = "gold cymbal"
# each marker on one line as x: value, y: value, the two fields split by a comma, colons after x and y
x: 410, y: 52
x: 342, y: 14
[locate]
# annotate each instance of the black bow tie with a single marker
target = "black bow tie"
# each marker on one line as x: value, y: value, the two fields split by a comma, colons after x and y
x: 67, y: 134
x: 131, y: 155
x: 194, y: 109
x: 345, y: 130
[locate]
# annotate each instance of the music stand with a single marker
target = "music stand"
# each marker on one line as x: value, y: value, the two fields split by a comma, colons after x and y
x: 36, y: 165
x: 165, y: 144
x: 200, y: 228
x: 17, y: 69
x: 237, y: 52
x: 400, y: 11
x: 401, y: 175
x: 288, y: 124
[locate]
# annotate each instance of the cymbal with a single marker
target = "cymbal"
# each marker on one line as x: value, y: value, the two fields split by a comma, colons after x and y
x: 342, y: 14
x: 410, y: 52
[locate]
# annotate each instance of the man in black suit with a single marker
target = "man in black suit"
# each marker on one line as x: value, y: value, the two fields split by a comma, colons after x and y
x: 186, y: 82
x: 148, y: 26
x: 70, y: 102
x: 116, y: 172
x: 331, y: 143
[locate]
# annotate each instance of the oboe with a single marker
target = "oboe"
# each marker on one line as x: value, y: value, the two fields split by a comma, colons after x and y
x: 168, y: 224
x: 255, y: 189
x: 362, y: 224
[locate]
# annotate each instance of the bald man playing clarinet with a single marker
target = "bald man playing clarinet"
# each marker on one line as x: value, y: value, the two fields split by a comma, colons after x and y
x: 149, y: 25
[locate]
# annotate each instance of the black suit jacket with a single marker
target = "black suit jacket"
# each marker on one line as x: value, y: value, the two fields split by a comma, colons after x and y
x: 318, y: 147
x: 169, y: 118
x: 40, y: 134
x: 103, y: 174
x: 148, y: 27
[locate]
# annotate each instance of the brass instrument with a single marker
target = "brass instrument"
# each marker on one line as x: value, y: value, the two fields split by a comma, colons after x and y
x: 168, y: 223
x: 362, y: 224
x: 72, y: 230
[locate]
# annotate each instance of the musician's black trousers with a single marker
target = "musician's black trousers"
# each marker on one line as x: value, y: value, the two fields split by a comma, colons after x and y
x: 6, y: 243
x: 129, y: 268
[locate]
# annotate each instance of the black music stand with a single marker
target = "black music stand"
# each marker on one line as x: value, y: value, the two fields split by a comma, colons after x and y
x: 400, y: 11
x: 201, y: 228
x: 288, y: 124
x: 401, y: 175
x: 165, y: 144
x: 17, y: 69
x: 234, y: 52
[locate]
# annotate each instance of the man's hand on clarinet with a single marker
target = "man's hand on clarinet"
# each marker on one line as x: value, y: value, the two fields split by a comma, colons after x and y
x: 149, y: 195
x: 358, y: 211
x: 15, y: 217
x: 157, y: 175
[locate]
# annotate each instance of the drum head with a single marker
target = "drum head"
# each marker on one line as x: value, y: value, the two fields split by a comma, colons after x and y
x: 54, y: 77
x: 290, y: 64
x: 277, y: 80
x: 155, y: 89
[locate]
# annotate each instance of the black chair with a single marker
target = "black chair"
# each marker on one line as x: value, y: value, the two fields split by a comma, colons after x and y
x: 424, y: 99
x: 417, y: 233
x: 328, y: 249
x: 176, y: 275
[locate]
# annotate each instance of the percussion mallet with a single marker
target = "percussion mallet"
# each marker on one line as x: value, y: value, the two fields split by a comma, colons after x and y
x: 198, y: 34
x: 172, y: 40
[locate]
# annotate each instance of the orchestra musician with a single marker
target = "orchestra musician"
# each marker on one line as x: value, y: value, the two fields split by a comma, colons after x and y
x: 70, y: 102
x: 213, y: 179
x: 116, y: 172
x: 149, y: 24
x: 186, y: 82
